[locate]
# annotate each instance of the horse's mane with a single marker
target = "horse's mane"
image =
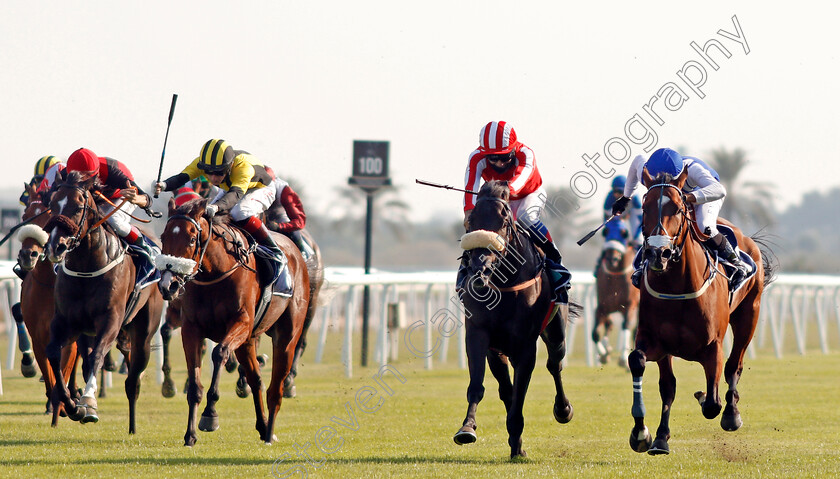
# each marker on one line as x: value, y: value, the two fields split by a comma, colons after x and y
x: 74, y: 178
x: 495, y: 189
x: 193, y: 207
x: 663, y: 178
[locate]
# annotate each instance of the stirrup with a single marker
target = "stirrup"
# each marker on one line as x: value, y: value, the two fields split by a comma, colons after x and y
x: 636, y: 277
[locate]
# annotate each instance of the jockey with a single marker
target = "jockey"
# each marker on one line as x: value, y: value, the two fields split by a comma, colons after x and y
x: 286, y: 215
x: 44, y: 167
x: 185, y: 193
x: 117, y: 184
x: 246, y: 188
x: 702, y: 188
x: 634, y: 216
x: 500, y: 156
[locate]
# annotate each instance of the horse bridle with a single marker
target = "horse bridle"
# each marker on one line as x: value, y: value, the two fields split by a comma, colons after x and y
x: 665, y: 240
x: 64, y: 220
x: 200, y: 251
x: 511, y: 233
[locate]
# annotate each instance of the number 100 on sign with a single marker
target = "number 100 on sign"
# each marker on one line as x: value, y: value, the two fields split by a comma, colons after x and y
x: 370, y: 158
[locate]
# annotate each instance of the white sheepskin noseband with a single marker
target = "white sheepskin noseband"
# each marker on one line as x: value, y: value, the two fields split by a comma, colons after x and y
x: 35, y: 232
x: 177, y: 265
x: 482, y: 239
x: 616, y: 245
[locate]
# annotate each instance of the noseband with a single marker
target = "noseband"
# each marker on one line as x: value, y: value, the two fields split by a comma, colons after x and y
x: 67, y: 223
x: 200, y: 251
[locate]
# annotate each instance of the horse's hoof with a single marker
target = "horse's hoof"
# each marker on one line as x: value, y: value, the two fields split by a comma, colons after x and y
x: 108, y: 363
x: 231, y: 365
x: 242, y: 389
x: 518, y: 455
x: 622, y: 361
x: 290, y: 392
x: 208, y: 423
x: 272, y: 441
x: 700, y: 396
x: 262, y: 359
x: 168, y: 388
x: 640, y: 441
x: 76, y: 415
x: 90, y: 416
x: 465, y: 435
x: 659, y: 446
x: 563, y: 415
x: 189, y: 441
x: 605, y: 359
x: 731, y: 419
x: 27, y: 366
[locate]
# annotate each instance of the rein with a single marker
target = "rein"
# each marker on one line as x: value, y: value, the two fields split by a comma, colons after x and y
x: 202, y: 250
x: 124, y: 200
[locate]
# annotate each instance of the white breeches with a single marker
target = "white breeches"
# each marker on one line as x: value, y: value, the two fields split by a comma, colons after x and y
x: 253, y: 203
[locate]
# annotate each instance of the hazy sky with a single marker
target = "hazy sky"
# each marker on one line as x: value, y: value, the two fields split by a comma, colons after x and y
x: 296, y: 82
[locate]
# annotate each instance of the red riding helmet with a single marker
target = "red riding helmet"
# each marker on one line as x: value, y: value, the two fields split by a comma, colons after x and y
x: 497, y: 137
x: 84, y: 161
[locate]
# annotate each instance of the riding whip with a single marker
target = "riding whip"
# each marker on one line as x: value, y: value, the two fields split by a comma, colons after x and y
x: 18, y: 226
x: 445, y: 187
x: 163, y: 153
x: 592, y: 233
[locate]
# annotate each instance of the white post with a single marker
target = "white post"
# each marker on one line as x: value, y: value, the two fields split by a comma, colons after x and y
x: 428, y: 313
x: 349, y: 320
x: 322, y: 334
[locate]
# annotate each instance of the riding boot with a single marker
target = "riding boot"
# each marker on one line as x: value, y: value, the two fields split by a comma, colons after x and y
x: 727, y: 252
x: 558, y: 275
x: 302, y: 245
x: 261, y: 233
x: 20, y: 272
x: 135, y: 238
x: 636, y: 277
x: 24, y: 344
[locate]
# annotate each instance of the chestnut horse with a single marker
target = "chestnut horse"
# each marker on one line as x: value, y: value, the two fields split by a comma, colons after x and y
x: 507, y: 301
x: 36, y: 294
x: 93, y: 290
x: 685, y: 309
x: 214, y: 274
x: 615, y: 293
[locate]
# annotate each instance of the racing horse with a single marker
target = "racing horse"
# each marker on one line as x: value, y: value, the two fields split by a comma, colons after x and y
x: 212, y: 269
x: 615, y: 293
x: 507, y: 304
x: 95, y: 296
x: 36, y: 294
x: 685, y: 309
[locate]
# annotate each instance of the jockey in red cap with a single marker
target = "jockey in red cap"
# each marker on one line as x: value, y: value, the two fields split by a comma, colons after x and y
x: 500, y: 156
x: 117, y: 184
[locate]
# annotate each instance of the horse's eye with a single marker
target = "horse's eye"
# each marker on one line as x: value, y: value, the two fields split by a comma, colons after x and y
x: 192, y: 240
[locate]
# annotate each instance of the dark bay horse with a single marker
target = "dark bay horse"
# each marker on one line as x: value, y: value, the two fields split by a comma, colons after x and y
x: 212, y: 270
x: 685, y: 309
x: 93, y: 290
x: 36, y: 297
x: 615, y: 293
x: 507, y: 302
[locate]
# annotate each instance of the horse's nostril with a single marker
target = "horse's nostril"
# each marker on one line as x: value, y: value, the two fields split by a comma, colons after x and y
x: 33, y: 254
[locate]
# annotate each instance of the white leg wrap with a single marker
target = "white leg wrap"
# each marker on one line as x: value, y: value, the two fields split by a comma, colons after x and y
x: 90, y: 388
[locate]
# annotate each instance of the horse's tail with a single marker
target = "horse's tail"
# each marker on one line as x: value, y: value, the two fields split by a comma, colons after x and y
x: 768, y: 258
x: 575, y: 310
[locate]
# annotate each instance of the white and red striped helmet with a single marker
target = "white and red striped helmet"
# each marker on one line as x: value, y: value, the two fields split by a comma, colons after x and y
x: 497, y: 137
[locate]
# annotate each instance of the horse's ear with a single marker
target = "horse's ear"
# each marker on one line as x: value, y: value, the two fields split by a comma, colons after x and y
x: 172, y: 206
x: 198, y: 212
x: 647, y: 180
x: 680, y: 180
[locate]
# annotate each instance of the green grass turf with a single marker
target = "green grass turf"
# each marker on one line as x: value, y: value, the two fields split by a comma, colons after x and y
x: 789, y: 406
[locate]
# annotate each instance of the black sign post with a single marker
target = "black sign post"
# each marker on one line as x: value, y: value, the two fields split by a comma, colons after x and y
x: 9, y: 218
x: 370, y: 172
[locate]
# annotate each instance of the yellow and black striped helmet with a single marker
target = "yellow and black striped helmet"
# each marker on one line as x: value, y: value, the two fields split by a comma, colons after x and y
x: 216, y: 155
x: 44, y: 164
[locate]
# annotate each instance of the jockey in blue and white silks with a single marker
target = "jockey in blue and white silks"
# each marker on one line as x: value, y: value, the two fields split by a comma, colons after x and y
x: 702, y: 189
x: 633, y: 217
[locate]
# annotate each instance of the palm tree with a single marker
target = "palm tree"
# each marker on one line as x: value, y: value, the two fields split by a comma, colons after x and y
x: 747, y: 202
x: 391, y: 212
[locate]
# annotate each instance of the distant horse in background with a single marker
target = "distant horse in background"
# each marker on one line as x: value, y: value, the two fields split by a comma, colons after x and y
x: 94, y: 296
x: 685, y: 308
x: 508, y: 299
x: 216, y: 268
x: 615, y: 292
x: 36, y: 298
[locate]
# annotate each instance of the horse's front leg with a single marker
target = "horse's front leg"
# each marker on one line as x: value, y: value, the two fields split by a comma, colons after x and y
x: 237, y: 334
x: 168, y: 387
x: 600, y: 334
x: 102, y: 343
x: 625, y: 336
x: 554, y: 338
x: 523, y: 367
x: 499, y: 369
x: 248, y: 365
x: 712, y: 361
x: 478, y: 342
x: 60, y: 395
x: 667, y: 392
x: 640, y: 439
x: 193, y: 351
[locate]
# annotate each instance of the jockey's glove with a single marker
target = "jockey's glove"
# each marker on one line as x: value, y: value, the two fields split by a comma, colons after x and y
x: 619, y: 205
x: 210, y: 211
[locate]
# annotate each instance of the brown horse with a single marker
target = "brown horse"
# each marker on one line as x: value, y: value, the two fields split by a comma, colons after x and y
x: 614, y: 291
x: 36, y: 294
x: 93, y: 297
x: 507, y: 302
x: 214, y: 273
x: 685, y: 309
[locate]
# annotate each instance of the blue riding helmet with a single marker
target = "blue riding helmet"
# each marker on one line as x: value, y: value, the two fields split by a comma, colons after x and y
x: 664, y: 160
x: 618, y: 182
